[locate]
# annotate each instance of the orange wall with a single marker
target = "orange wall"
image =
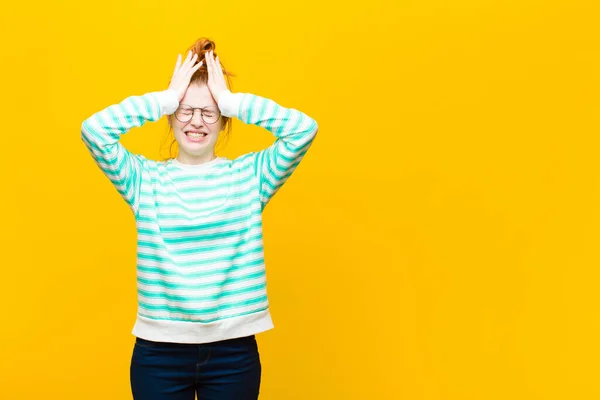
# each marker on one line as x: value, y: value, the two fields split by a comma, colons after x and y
x: 439, y: 241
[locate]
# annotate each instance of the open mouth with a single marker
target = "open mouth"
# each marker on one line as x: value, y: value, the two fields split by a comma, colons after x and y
x: 195, y: 136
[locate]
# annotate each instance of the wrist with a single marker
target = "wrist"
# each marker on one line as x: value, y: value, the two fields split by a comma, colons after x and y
x: 229, y: 103
x: 168, y: 100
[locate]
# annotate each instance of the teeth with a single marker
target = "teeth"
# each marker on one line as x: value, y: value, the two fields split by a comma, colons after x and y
x: 196, y: 135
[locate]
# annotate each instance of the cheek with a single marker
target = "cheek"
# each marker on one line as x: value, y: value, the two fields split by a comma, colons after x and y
x: 216, y: 128
x: 177, y: 128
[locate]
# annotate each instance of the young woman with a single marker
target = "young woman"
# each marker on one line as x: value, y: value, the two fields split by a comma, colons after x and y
x: 200, y: 265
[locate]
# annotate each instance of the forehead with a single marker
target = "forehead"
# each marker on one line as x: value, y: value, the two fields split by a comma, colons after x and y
x: 198, y: 96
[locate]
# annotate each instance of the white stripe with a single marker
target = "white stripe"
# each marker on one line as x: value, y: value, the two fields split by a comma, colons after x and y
x: 232, y: 240
x: 200, y: 305
x: 184, y: 216
x: 223, y: 314
x: 204, y: 292
x: 204, y: 280
x: 235, y: 229
x: 231, y: 243
x: 209, y: 266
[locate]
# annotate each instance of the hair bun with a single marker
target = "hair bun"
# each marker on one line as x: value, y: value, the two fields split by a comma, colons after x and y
x: 201, y: 47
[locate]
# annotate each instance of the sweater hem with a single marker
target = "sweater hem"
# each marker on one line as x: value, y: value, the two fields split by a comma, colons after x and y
x: 196, y: 332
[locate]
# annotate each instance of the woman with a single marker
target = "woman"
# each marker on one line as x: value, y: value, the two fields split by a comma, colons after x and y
x: 200, y: 265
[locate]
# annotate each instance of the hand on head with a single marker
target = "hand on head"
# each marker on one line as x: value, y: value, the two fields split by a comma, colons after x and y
x: 184, y: 71
x: 216, y: 80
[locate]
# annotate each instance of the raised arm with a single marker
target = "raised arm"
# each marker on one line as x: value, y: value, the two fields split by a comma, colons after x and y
x: 102, y: 131
x: 294, y: 130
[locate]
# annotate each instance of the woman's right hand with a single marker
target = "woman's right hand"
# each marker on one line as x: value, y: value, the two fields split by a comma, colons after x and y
x: 183, y: 74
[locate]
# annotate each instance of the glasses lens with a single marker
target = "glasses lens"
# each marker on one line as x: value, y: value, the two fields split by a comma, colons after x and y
x: 184, y: 114
x: 210, y: 115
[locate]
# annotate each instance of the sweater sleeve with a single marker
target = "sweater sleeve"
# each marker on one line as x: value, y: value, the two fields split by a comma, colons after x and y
x: 294, y: 133
x: 101, y: 133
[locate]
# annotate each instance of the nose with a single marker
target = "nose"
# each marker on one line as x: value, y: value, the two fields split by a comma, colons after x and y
x: 197, y: 118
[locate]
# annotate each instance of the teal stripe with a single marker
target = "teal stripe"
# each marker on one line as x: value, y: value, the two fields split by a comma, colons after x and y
x: 208, y: 310
x: 201, y: 185
x: 116, y: 125
x: 183, y: 207
x: 229, y: 259
x: 198, y: 275
x: 313, y: 126
x: 93, y: 136
x: 109, y: 155
x: 181, y: 286
x: 199, y: 250
x: 284, y: 172
x: 235, y: 193
x: 204, y: 186
x: 270, y: 186
x: 139, y: 119
x: 262, y: 109
x: 202, y: 250
x: 279, y: 169
x: 298, y: 123
x: 207, y: 320
x: 201, y: 238
x: 286, y: 158
x: 128, y: 117
x: 295, y: 149
x: 269, y: 122
x: 104, y: 136
x: 96, y: 150
x: 274, y: 186
x: 215, y: 297
x: 99, y: 156
x: 151, y: 205
x: 144, y: 244
x: 194, y: 228
x: 251, y: 109
x: 204, y: 261
x: 243, y: 159
x: 149, y: 109
x: 109, y: 124
x: 243, y: 107
x: 284, y: 124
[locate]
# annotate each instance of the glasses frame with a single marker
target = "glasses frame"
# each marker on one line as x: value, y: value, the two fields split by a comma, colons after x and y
x: 202, y: 109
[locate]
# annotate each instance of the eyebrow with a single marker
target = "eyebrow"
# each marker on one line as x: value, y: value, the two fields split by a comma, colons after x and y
x: 187, y: 105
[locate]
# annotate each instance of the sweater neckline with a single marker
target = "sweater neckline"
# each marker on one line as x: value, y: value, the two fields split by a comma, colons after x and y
x: 195, y: 167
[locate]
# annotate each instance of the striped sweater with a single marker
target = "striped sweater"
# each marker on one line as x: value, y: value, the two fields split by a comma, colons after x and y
x: 200, y: 258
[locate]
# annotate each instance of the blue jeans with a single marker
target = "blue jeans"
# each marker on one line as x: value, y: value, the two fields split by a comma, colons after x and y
x: 229, y: 369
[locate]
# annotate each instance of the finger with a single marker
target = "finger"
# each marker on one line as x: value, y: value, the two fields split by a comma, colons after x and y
x: 193, y: 70
x: 215, y: 66
x: 208, y: 64
x: 189, y: 59
x: 193, y: 60
x: 178, y: 63
x: 197, y: 67
x: 219, y: 67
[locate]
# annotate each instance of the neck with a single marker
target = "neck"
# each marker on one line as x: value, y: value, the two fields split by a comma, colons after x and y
x: 195, y: 160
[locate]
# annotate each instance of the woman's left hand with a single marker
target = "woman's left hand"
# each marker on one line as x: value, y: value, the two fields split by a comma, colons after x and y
x: 216, y: 79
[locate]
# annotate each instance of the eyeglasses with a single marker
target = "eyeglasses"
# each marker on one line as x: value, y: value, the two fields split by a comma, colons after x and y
x: 209, y: 115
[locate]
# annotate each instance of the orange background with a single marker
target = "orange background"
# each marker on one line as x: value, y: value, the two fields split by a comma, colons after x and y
x: 439, y: 241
